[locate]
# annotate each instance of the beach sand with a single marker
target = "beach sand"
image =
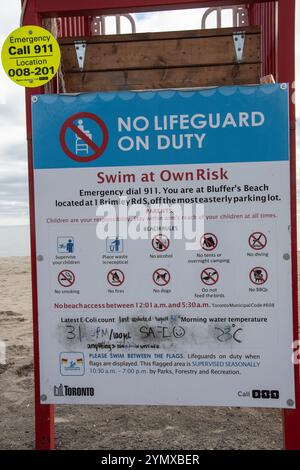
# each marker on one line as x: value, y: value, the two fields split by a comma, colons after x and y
x: 108, y: 427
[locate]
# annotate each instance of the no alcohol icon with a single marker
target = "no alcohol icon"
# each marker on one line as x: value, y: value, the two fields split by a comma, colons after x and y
x: 160, y: 242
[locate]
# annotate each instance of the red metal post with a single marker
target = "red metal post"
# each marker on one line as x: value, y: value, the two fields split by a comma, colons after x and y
x: 44, y: 414
x: 286, y: 72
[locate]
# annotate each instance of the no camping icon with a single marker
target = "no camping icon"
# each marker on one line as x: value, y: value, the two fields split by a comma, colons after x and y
x: 84, y: 137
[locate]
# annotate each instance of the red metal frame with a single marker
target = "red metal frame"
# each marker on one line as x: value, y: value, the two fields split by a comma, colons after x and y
x: 279, y: 59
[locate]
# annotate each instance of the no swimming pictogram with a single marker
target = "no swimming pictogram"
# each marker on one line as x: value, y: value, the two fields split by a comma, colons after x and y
x: 85, y: 145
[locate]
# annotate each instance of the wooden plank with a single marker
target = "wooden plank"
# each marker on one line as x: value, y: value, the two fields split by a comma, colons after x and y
x: 161, y: 53
x: 194, y: 33
x: 163, y: 78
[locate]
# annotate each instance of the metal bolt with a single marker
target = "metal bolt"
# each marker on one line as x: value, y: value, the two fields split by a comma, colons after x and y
x: 290, y: 402
x: 30, y: 32
x: 286, y: 256
x: 283, y: 86
x: 34, y: 99
x: 43, y: 397
x: 40, y: 258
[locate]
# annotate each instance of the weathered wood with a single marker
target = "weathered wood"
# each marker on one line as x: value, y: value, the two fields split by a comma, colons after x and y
x: 193, y: 33
x: 163, y: 78
x: 174, y: 59
x: 161, y: 53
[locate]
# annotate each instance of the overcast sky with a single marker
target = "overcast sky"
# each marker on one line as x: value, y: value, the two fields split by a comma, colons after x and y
x: 13, y: 166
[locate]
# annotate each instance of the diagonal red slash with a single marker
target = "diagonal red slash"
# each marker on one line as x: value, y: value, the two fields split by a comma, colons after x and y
x: 69, y: 124
x: 165, y: 246
x: 84, y: 137
x: 210, y: 275
x: 62, y: 277
x: 256, y: 240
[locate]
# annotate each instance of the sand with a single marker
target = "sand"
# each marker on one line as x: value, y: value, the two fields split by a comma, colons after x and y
x: 108, y: 427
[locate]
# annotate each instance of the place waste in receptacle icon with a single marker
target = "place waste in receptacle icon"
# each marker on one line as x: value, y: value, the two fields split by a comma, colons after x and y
x: 114, y: 245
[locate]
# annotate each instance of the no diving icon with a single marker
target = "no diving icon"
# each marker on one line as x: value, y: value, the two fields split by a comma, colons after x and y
x: 84, y: 137
x: 257, y: 241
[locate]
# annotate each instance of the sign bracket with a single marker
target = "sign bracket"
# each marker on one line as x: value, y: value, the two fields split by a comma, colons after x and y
x: 80, y: 49
x: 239, y: 43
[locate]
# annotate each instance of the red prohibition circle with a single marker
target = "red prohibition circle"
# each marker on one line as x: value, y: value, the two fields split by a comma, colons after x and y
x: 112, y: 272
x: 70, y: 281
x: 260, y: 283
x: 206, y: 235
x: 209, y: 272
x: 165, y: 244
x: 69, y: 124
x: 156, y: 272
x: 256, y: 236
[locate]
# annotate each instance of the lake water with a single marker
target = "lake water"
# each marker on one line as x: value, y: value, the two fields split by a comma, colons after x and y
x: 14, y: 240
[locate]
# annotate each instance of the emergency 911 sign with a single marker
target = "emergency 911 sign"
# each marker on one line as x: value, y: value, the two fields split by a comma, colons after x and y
x: 163, y: 245
x: 30, y: 56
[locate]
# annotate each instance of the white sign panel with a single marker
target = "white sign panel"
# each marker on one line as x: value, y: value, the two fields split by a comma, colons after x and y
x: 163, y: 244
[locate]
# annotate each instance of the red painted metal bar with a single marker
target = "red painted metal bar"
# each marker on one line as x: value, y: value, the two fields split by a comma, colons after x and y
x: 265, y: 15
x: 44, y: 414
x: 60, y: 8
x: 74, y: 26
x: 286, y: 71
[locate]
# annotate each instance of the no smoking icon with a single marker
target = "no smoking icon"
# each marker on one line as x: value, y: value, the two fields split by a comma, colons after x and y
x: 209, y: 276
x: 257, y: 241
x: 66, y: 278
x: 115, y: 277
